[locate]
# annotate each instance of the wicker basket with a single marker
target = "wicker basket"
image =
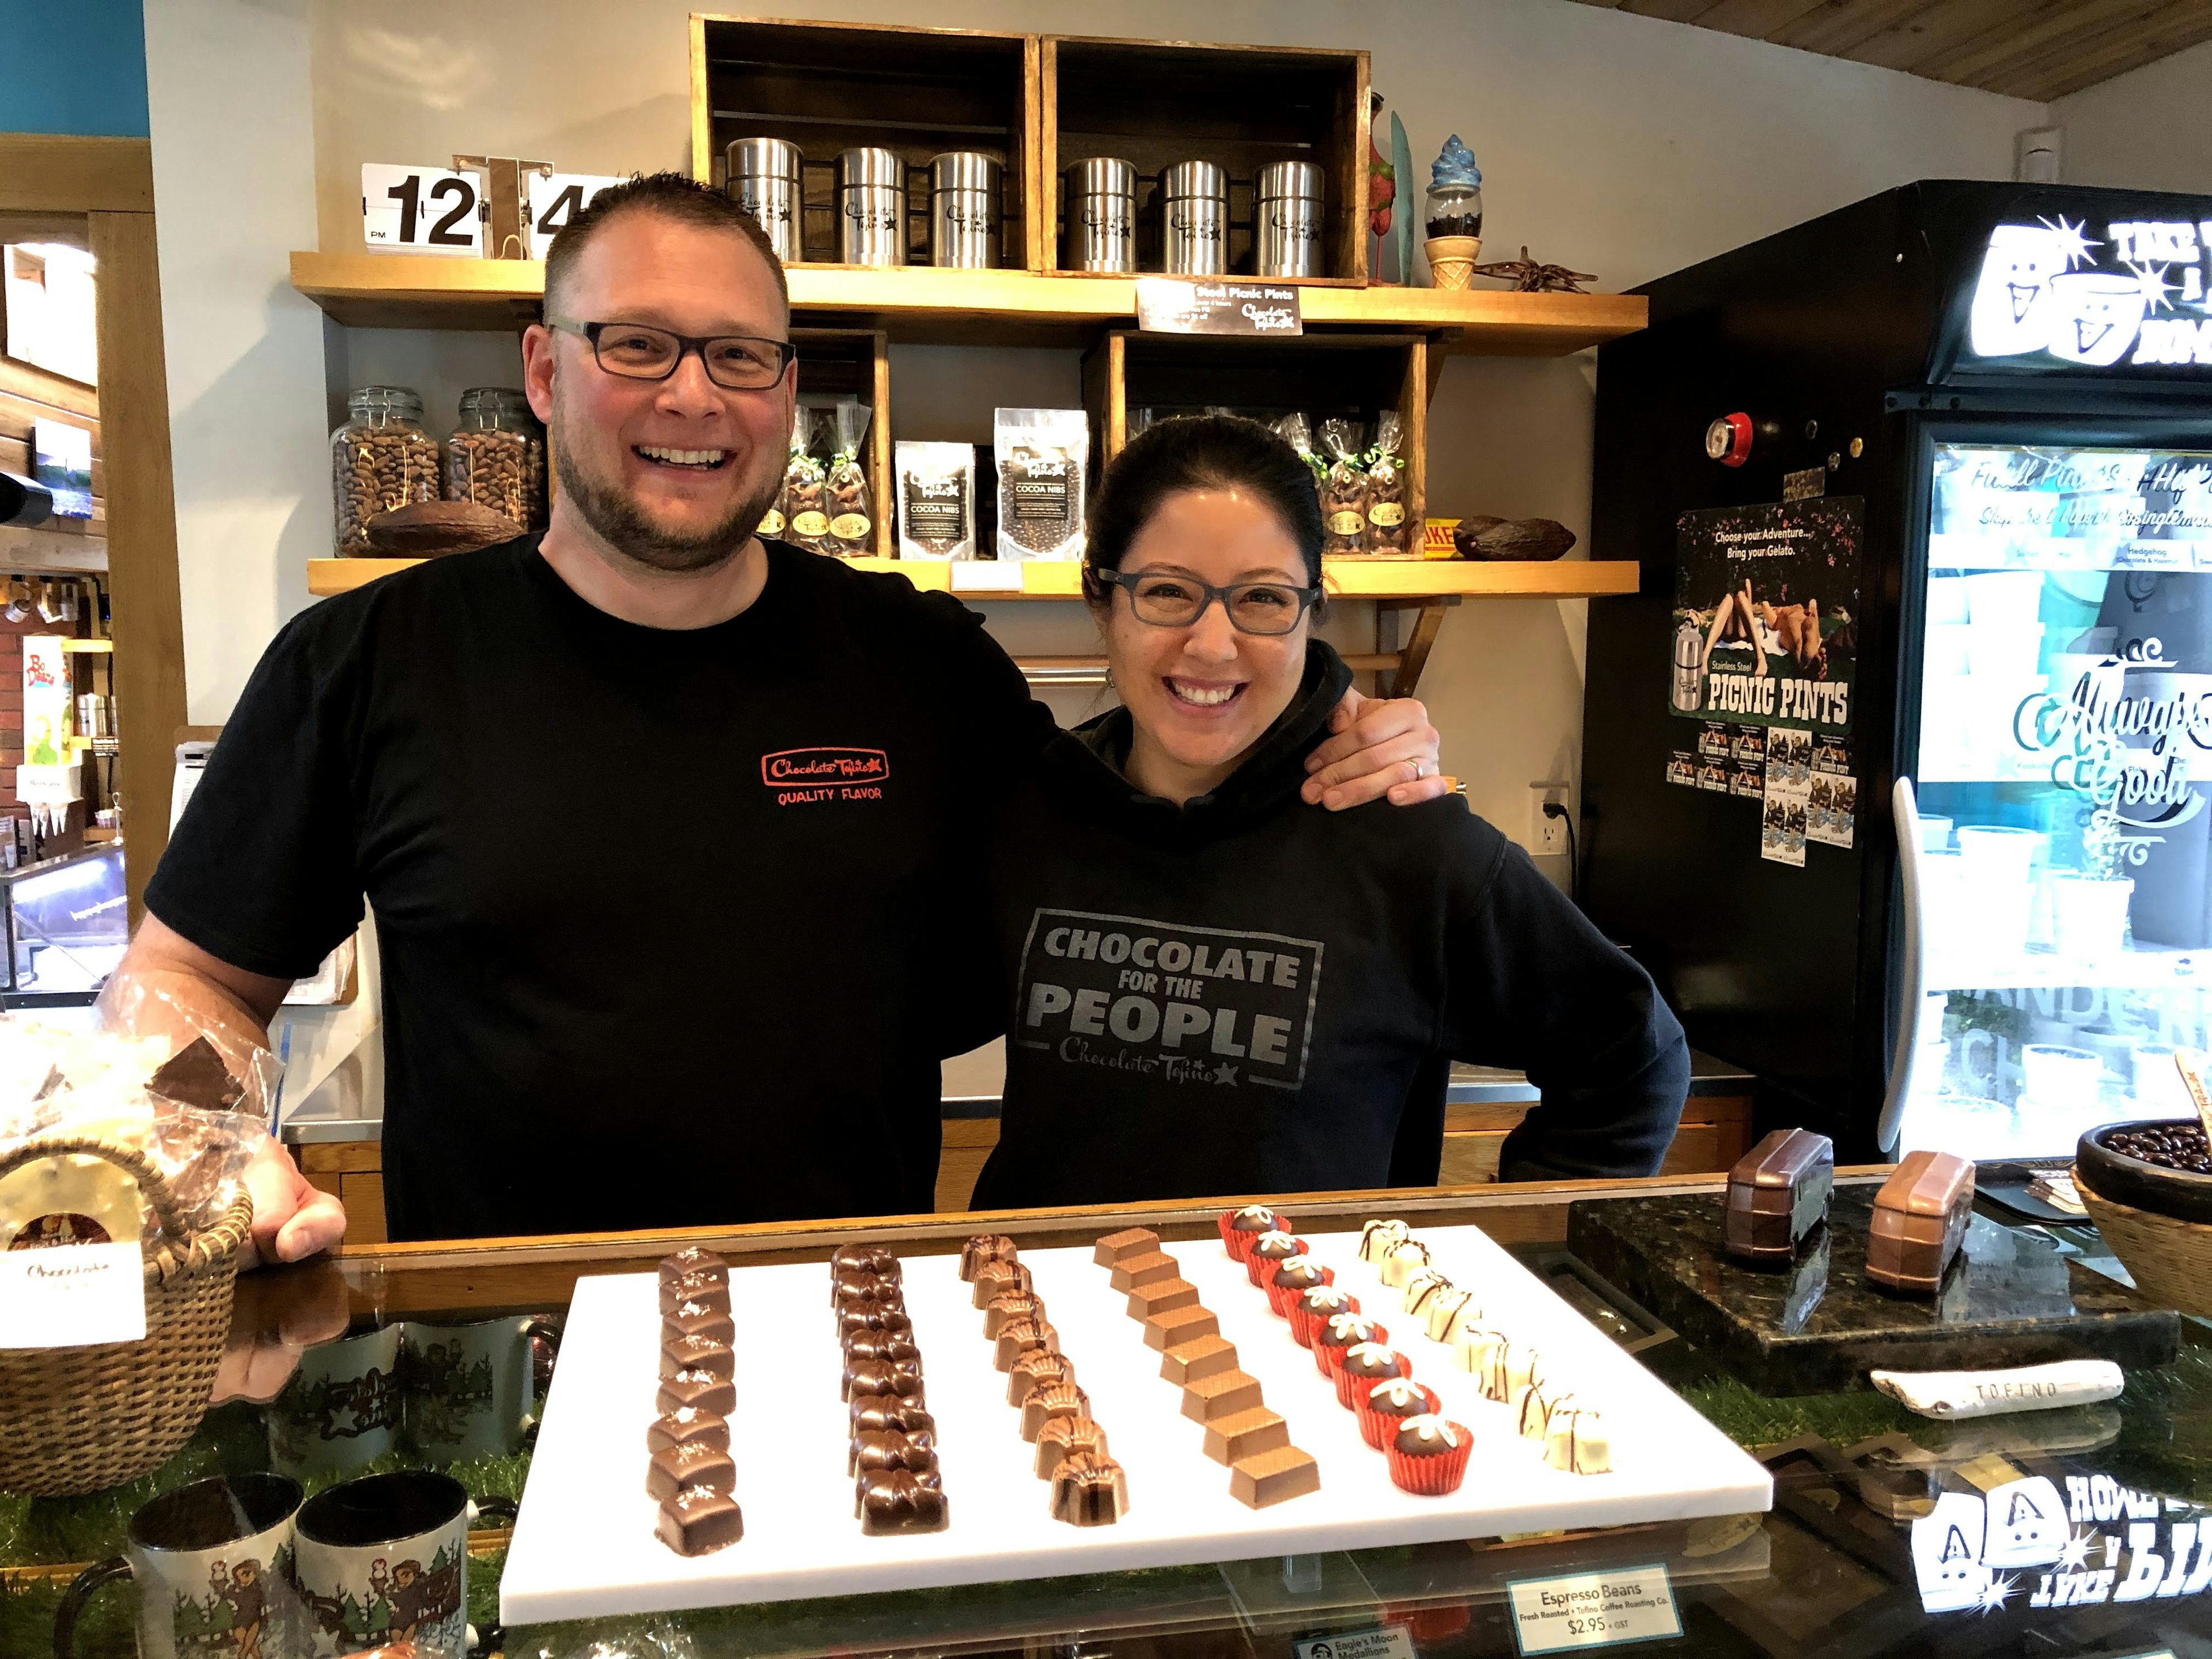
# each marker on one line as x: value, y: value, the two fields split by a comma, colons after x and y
x: 83, y: 1419
x: 2169, y: 1260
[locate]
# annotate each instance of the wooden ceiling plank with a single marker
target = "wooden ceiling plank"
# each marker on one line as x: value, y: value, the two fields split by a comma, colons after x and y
x: 1841, y: 25
x: 1949, y: 26
x: 2056, y: 73
x: 1672, y: 11
x: 2079, y: 27
x: 1758, y: 19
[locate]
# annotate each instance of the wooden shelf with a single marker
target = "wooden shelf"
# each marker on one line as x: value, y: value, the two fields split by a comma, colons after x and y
x: 1350, y: 579
x: 71, y: 646
x: 920, y: 303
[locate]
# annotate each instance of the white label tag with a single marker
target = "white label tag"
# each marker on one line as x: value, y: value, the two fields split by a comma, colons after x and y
x: 1593, y: 1610
x: 420, y: 209
x: 1383, y: 1641
x: 71, y: 1295
x: 557, y: 199
x: 986, y: 576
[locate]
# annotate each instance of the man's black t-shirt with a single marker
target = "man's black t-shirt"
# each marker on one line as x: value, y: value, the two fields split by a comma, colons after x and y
x: 659, y: 910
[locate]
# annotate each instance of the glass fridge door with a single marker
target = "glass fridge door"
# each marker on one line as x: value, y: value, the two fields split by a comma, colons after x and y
x: 2065, y: 756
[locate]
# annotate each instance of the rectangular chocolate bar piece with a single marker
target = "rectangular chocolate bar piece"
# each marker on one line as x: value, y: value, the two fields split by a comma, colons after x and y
x: 1185, y: 1362
x: 1132, y: 1270
x: 1224, y: 1393
x: 686, y: 1425
x: 693, y: 1464
x: 1274, y: 1476
x: 685, y: 1263
x: 1161, y: 1296
x: 708, y: 1291
x: 699, y: 1520
x: 696, y: 1353
x: 1132, y: 1240
x: 702, y: 1389
x: 1919, y: 1221
x: 1179, y: 1325
x: 1248, y: 1433
x: 1777, y: 1193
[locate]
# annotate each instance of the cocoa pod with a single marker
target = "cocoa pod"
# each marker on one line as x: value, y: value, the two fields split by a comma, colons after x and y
x: 1532, y: 539
x: 425, y: 529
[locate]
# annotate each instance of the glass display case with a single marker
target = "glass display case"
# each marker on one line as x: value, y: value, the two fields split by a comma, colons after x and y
x: 64, y: 921
x: 433, y: 1357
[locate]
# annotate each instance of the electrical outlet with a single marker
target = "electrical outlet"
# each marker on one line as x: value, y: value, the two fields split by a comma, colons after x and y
x: 1547, y: 836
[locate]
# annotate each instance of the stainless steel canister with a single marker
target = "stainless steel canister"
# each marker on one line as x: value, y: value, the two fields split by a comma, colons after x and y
x: 763, y: 178
x: 1288, y: 235
x: 1102, y: 216
x: 1194, y: 205
x: 963, y: 211
x: 871, y: 207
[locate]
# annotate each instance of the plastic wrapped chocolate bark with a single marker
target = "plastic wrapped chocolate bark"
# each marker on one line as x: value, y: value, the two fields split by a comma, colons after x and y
x: 846, y: 499
x: 1344, y: 489
x: 936, y: 501
x: 1386, y: 489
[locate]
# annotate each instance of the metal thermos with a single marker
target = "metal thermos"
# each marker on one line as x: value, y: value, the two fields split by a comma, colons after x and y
x: 1102, y: 216
x: 1689, y: 668
x: 1194, y: 206
x: 963, y: 211
x: 1288, y: 235
x: 763, y: 178
x: 871, y: 207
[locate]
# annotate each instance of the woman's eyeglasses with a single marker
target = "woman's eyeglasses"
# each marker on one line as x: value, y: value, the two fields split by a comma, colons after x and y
x: 638, y: 351
x: 1165, y: 600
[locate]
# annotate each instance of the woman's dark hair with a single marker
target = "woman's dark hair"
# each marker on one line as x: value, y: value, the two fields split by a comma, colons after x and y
x: 1202, y: 452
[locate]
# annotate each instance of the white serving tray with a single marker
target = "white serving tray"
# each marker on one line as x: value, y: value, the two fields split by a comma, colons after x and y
x: 584, y: 1544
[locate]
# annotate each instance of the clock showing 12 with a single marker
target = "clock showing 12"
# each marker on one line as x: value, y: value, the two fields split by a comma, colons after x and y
x: 420, y: 210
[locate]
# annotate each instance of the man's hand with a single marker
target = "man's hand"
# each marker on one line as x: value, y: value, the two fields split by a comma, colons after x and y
x: 291, y: 1219
x: 1380, y: 746
x: 274, y: 1317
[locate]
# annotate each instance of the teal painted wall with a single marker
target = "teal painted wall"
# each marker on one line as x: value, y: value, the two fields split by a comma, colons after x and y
x: 73, y: 66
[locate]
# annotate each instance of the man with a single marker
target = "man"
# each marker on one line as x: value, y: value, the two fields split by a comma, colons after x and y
x: 664, y: 826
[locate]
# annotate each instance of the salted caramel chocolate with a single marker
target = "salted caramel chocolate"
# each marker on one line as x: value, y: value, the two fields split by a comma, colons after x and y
x: 887, y: 1448
x: 1777, y: 1193
x: 1247, y: 1434
x: 1160, y: 1296
x: 1062, y: 1435
x: 1920, y: 1219
x: 865, y: 1258
x: 702, y: 1390
x: 695, y: 1463
x: 899, y: 1500
x: 1224, y: 1393
x: 1132, y: 1270
x: 996, y: 1279
x: 688, y: 1426
x: 1270, y: 1477
x: 984, y: 1247
x: 1034, y: 1369
x: 692, y: 1262
x: 695, y: 1290
x: 1187, y: 1362
x: 699, y: 1520
x: 1022, y: 1336
x: 879, y: 1413
x: 699, y: 1319
x: 1131, y: 1241
x: 866, y: 1378
x: 1006, y: 1310
x: 696, y: 1353
x: 1050, y: 1400
x: 1178, y: 1326
x: 1088, y: 1489
x: 894, y: 1347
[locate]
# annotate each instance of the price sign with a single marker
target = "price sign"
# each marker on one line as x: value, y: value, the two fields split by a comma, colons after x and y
x: 71, y: 1295
x: 1384, y: 1641
x: 1593, y: 1610
x: 986, y: 576
x: 558, y: 198
x: 1172, y: 305
x: 420, y: 209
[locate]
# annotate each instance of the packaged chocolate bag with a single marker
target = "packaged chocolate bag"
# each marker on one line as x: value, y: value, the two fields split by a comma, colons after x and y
x: 1042, y: 454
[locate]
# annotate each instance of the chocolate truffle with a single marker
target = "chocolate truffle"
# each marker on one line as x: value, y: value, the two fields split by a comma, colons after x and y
x: 1132, y: 1270
x: 1061, y: 1435
x: 1088, y: 1489
x: 1301, y: 1276
x: 1325, y: 1301
x: 873, y: 1316
x: 1051, y: 1399
x: 901, y: 1379
x: 693, y: 1464
x: 1023, y: 1336
x: 861, y: 1346
x: 702, y: 1390
x: 995, y: 1278
x: 1271, y: 1477
x: 1342, y: 1331
x: 1187, y: 1362
x: 1255, y: 1219
x: 1429, y: 1455
x: 694, y: 1262
x: 1378, y: 1238
x: 1034, y: 1369
x: 877, y: 1413
x: 865, y: 1258
x: 984, y: 1247
x: 698, y: 1319
x: 1131, y: 1241
x: 1004, y: 1310
x: 1233, y: 1439
x: 1777, y: 1193
x: 1920, y: 1217
x: 899, y: 1500
x: 1371, y: 1362
x: 686, y: 1425
x: 887, y: 1448
x: 696, y: 1353
x: 1224, y: 1393
x: 1400, y: 1397
x: 1274, y: 1249
x: 697, y: 1290
x: 699, y: 1520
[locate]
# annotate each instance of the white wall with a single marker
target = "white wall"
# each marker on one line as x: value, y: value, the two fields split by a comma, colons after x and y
x: 2146, y: 128
x: 1612, y: 142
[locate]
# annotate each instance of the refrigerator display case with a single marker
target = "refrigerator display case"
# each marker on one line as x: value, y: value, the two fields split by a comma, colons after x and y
x: 2002, y: 388
x: 64, y: 922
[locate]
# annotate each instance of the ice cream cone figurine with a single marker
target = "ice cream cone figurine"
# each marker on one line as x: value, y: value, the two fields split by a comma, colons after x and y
x: 1454, y: 214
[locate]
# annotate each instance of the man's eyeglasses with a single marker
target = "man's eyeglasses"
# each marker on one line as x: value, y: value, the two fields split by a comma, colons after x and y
x: 1166, y: 600
x: 638, y: 351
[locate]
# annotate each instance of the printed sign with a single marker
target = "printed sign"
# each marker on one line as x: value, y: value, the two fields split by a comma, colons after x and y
x: 1173, y: 304
x: 1593, y: 1610
x: 1385, y: 1642
x: 1785, y: 793
x: 72, y: 1295
x: 1206, y: 1005
x: 2095, y: 1542
x: 2135, y: 295
x: 61, y: 456
x: 420, y: 209
x: 1765, y: 607
x: 558, y: 198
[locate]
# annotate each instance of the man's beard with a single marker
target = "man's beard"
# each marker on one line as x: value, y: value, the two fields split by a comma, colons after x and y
x: 625, y: 527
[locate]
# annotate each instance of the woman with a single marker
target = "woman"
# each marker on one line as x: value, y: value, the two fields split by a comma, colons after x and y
x: 1211, y: 991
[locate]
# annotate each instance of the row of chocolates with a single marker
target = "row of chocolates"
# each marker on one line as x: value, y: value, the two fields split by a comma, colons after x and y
x: 1240, y: 1431
x: 1510, y: 1371
x: 892, y: 1453
x: 1087, y: 1488
x: 690, y: 1472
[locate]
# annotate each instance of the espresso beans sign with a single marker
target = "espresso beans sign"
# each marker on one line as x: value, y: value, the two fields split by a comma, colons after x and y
x: 1166, y: 1001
